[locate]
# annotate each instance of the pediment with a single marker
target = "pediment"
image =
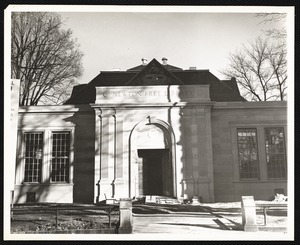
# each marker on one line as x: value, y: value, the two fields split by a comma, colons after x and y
x: 154, y: 74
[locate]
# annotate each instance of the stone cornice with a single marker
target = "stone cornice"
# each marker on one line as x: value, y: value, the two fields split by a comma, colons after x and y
x: 250, y: 105
x: 170, y: 104
x: 55, y: 109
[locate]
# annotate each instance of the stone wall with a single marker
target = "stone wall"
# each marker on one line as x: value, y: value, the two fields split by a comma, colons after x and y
x: 79, y: 121
x: 226, y: 118
x: 201, y: 138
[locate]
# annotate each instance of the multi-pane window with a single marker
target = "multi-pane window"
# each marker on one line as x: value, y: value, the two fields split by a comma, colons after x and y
x: 275, y: 152
x: 33, y: 156
x: 247, y: 153
x: 60, y: 156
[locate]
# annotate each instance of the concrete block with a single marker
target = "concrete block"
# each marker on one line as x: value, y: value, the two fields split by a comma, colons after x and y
x: 126, y: 221
x: 110, y: 201
x: 249, y: 214
x: 195, y: 200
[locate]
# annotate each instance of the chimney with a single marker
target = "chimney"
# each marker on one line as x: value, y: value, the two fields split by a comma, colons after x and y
x: 144, y: 61
x: 165, y: 61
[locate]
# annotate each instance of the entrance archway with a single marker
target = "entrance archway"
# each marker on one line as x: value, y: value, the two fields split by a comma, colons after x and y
x: 154, y: 172
x: 152, y: 159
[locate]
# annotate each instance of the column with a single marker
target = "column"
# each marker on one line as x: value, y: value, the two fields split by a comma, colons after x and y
x: 114, y: 151
x: 119, y: 151
x: 202, y: 182
x: 110, y: 151
x: 179, y: 187
x: 209, y: 154
x: 103, y: 157
x: 187, y: 171
x: 193, y: 144
x: 97, y: 164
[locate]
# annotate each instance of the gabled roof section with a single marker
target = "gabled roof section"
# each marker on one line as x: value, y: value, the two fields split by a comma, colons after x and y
x: 168, y: 67
x: 154, y: 74
x: 220, y: 91
x: 137, y: 68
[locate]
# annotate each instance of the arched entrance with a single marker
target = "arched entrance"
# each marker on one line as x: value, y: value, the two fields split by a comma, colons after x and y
x: 154, y: 172
x: 152, y: 159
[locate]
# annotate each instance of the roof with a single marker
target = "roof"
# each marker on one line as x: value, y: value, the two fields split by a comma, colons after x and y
x: 155, y: 73
x: 232, y: 84
x: 141, y: 67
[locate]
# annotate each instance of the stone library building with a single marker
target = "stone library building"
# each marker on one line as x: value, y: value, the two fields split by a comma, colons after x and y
x: 152, y: 130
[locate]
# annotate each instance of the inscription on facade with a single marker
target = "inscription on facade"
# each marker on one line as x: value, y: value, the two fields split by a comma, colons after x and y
x: 136, y: 94
x: 153, y: 93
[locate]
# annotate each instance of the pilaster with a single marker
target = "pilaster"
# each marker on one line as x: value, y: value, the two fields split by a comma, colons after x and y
x: 209, y: 153
x: 175, y: 121
x: 98, y: 146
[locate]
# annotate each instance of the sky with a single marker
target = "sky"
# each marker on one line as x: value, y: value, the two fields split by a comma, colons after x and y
x: 118, y: 40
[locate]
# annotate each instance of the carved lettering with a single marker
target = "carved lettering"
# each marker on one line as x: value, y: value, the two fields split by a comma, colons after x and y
x: 153, y: 93
x: 166, y: 93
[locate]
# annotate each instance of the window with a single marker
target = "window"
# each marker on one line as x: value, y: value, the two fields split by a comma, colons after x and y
x: 33, y: 156
x: 47, y: 156
x: 275, y: 152
x: 247, y: 153
x: 60, y: 156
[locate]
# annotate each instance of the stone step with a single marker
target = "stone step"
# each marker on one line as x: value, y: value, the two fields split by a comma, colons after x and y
x: 111, y: 201
x: 161, y: 200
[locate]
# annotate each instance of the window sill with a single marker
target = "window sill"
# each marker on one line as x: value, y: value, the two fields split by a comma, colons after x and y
x: 260, y: 181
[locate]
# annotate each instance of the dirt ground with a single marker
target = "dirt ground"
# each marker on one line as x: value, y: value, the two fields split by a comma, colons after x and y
x: 97, y: 219
x: 67, y: 220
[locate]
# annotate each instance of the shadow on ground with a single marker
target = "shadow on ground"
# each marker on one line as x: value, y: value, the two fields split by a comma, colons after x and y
x: 166, y: 209
x: 193, y: 225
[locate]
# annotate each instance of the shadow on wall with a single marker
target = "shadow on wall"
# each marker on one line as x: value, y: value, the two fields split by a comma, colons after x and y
x: 43, y: 190
x: 82, y: 164
x: 84, y: 149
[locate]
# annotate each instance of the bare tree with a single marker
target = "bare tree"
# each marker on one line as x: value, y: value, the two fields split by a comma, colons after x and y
x: 44, y: 57
x: 260, y: 70
x: 279, y: 34
x: 272, y: 17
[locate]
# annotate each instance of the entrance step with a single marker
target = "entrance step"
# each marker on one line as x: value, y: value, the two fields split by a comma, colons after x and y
x: 161, y: 200
x: 111, y: 201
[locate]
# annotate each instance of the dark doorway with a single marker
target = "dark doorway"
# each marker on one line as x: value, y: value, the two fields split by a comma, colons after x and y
x: 155, y: 172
